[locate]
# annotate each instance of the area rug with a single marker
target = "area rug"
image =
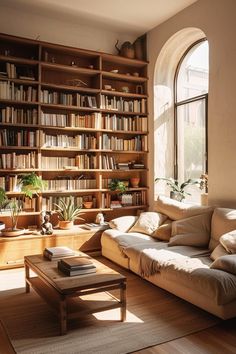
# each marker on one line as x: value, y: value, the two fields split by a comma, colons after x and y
x: 154, y: 316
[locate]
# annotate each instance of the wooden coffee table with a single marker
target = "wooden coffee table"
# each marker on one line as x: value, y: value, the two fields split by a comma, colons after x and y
x: 62, y: 292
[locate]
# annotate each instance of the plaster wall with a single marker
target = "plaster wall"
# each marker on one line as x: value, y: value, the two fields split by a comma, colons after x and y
x: 17, y: 22
x: 215, y: 18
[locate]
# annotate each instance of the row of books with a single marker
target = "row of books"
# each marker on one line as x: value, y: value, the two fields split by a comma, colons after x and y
x: 11, y: 91
x: 19, y: 138
x: 14, y: 161
x: 80, y: 141
x: 121, y: 104
x: 48, y: 203
x: 127, y: 199
x: 20, y: 72
x: 108, y: 162
x: 68, y: 99
x: 18, y: 115
x: 70, y: 120
x: 138, y: 143
x: 114, y: 122
x: 70, y: 184
x: 79, y: 162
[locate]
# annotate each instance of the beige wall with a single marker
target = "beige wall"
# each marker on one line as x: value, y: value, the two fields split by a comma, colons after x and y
x: 216, y: 18
x: 30, y: 25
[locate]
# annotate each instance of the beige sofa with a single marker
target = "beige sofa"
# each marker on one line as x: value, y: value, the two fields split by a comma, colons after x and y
x: 186, y: 250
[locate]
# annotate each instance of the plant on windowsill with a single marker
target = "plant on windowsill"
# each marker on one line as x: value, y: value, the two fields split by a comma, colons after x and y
x: 203, y: 185
x: 68, y: 212
x: 28, y: 186
x: 178, y: 190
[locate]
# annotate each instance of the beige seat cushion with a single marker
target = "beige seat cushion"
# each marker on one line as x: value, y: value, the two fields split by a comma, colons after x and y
x: 223, y: 220
x: 228, y: 241
x: 217, y: 285
x: 177, y: 210
x: 193, y: 231
x: 226, y: 263
x: 163, y: 232
x: 218, y: 252
x: 148, y: 222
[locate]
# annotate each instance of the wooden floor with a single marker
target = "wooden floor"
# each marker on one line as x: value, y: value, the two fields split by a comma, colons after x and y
x: 220, y: 339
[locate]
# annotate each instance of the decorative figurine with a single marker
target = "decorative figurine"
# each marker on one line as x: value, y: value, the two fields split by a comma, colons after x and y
x: 46, y: 227
x: 100, y: 219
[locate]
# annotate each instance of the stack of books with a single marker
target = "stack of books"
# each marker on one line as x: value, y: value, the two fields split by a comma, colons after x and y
x: 76, y: 266
x: 55, y: 253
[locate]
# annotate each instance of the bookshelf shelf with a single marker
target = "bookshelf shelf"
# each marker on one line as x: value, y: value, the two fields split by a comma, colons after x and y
x: 86, y: 118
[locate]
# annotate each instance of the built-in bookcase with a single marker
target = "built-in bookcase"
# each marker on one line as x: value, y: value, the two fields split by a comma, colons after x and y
x: 79, y: 119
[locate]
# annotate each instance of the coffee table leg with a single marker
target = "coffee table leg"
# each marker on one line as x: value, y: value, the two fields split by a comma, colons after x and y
x: 63, y: 316
x: 27, y: 286
x: 123, y: 301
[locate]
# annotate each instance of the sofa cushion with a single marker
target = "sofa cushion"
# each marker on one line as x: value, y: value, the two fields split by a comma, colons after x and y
x: 163, y: 232
x: 223, y: 221
x: 226, y: 263
x: 216, y: 285
x: 193, y: 231
x: 123, y: 223
x: 148, y: 222
x: 228, y: 241
x: 177, y: 210
x: 218, y: 252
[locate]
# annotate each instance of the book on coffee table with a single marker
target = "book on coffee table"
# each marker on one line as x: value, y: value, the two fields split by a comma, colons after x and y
x: 77, y: 263
x: 54, y: 253
x: 76, y: 266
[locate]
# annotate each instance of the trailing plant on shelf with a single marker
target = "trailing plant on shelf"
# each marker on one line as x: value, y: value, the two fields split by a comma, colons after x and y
x: 118, y: 186
x: 28, y: 185
x: 68, y: 212
x: 178, y: 189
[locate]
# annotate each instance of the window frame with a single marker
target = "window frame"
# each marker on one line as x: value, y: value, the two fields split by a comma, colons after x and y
x: 184, y: 102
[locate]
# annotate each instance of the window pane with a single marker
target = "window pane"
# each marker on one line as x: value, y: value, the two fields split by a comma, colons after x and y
x: 191, y: 140
x: 193, y: 74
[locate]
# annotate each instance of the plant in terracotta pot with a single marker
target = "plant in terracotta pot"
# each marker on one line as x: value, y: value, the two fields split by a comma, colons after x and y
x: 178, y: 190
x: 28, y: 186
x: 68, y: 212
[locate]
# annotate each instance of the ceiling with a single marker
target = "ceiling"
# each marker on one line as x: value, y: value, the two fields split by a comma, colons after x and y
x: 124, y: 16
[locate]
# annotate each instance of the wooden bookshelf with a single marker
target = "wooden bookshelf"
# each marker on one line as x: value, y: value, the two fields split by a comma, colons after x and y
x: 57, y: 93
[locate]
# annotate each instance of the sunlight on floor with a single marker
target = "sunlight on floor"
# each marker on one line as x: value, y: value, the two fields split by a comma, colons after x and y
x: 12, y: 279
x: 114, y: 315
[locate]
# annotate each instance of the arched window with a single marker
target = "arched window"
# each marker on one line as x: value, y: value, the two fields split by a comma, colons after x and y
x: 190, y: 107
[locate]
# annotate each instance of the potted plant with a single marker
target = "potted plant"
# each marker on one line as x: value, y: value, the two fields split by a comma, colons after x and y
x: 67, y: 212
x: 203, y: 185
x: 178, y: 190
x: 118, y: 186
x: 28, y: 185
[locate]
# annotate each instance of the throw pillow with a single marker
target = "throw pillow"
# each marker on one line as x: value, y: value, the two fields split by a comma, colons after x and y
x: 228, y: 241
x: 193, y: 231
x: 163, y: 232
x: 148, y: 222
x: 218, y: 252
x: 223, y: 221
x: 123, y: 223
x: 177, y: 210
x: 226, y: 263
